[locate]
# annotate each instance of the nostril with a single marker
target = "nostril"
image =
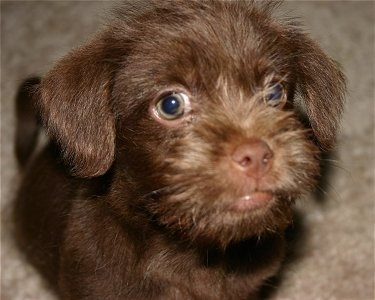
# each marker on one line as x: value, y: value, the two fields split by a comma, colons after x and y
x: 253, y: 157
x: 245, y: 161
x: 267, y: 156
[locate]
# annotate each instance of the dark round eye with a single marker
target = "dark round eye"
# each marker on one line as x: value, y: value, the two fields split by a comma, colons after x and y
x: 173, y: 106
x: 274, y: 95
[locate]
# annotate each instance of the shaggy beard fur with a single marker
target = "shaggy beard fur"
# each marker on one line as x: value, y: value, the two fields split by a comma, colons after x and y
x: 196, y: 186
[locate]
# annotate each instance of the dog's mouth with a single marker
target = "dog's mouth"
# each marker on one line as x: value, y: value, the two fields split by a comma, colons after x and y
x: 252, y: 201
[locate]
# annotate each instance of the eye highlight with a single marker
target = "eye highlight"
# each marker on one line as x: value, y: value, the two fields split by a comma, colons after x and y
x: 275, y: 95
x: 173, y: 106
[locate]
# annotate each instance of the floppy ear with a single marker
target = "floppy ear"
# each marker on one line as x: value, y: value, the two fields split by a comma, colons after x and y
x: 74, y: 106
x: 321, y: 84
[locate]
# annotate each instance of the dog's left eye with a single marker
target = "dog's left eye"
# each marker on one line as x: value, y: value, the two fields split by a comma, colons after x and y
x: 275, y: 95
x: 173, y: 106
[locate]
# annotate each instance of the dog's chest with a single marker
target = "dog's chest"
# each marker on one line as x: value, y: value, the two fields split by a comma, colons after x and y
x: 236, y: 274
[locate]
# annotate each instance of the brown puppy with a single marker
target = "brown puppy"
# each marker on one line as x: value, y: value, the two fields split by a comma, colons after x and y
x: 180, y: 138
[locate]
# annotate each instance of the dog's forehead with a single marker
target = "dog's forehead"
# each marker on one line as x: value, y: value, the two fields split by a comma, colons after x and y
x: 192, y: 40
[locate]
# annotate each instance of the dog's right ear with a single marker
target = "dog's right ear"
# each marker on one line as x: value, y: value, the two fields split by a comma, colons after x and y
x: 322, y: 85
x: 74, y: 107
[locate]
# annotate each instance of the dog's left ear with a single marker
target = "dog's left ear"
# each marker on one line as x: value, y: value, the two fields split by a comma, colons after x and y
x: 321, y: 84
x: 74, y: 106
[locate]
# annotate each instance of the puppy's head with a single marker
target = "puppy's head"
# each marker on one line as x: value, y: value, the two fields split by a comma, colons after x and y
x: 194, y: 104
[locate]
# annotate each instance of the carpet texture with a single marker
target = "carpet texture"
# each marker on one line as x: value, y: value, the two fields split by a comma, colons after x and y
x: 333, y: 239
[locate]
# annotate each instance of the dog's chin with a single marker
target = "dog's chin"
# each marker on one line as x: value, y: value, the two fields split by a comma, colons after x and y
x: 227, y: 219
x: 251, y: 202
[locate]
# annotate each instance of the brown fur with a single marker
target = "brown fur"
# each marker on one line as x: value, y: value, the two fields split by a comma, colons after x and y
x: 121, y: 205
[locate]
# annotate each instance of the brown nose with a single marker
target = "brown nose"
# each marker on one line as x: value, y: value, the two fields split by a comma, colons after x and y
x: 253, y: 157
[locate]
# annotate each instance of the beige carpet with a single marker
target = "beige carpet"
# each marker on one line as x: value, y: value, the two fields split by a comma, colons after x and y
x: 334, y: 258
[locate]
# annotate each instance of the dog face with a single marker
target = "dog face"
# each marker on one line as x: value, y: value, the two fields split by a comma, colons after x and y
x: 194, y: 104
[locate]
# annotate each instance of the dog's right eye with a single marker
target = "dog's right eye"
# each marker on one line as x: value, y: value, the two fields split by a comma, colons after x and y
x: 173, y: 106
x: 275, y: 95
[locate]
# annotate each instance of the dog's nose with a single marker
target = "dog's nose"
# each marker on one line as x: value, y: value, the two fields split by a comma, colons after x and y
x: 253, y: 157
